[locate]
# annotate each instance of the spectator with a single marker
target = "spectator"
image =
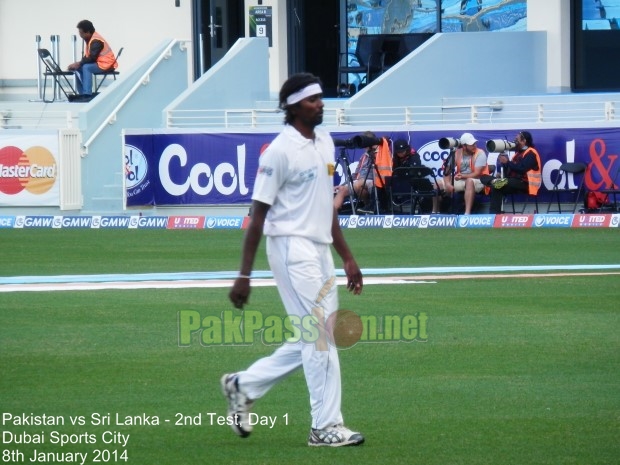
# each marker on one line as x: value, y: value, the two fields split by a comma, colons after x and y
x: 97, y: 57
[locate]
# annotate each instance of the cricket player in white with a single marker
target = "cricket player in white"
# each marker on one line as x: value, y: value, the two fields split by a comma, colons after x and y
x: 292, y: 204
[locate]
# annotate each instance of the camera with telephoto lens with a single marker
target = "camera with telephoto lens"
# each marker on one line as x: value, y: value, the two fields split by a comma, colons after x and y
x: 500, y: 145
x: 358, y: 142
x: 449, y: 143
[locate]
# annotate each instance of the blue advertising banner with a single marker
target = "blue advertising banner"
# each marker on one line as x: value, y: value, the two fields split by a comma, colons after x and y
x: 563, y: 220
x: 191, y: 169
x: 219, y: 169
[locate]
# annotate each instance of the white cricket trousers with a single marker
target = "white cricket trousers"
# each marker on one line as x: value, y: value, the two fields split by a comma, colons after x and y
x: 304, y: 273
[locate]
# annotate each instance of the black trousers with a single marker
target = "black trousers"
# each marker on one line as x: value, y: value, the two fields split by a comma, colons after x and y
x: 514, y: 186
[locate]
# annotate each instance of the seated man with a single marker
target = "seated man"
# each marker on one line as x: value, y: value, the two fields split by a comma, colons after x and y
x: 405, y: 156
x: 471, y: 164
x: 522, y: 173
x: 97, y: 57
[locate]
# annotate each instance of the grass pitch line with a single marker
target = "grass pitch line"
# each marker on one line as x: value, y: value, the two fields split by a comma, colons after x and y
x: 220, y: 275
x: 83, y: 284
x: 212, y: 283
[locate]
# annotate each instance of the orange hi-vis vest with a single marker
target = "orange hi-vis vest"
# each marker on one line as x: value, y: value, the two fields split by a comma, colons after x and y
x: 534, y: 177
x: 383, y: 162
x: 472, y: 166
x: 106, y: 59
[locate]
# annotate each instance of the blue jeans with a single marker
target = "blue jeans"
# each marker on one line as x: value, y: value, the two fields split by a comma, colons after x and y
x: 85, y: 78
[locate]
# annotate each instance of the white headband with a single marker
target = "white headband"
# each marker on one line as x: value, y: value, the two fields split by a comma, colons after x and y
x: 306, y: 92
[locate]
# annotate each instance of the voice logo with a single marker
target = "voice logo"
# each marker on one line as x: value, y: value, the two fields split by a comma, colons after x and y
x: 224, y: 222
x: 553, y: 221
x: 476, y: 221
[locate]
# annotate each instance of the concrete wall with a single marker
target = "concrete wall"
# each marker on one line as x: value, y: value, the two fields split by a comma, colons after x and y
x: 149, y: 91
x: 553, y: 16
x: 450, y: 65
x: 139, y: 25
x: 225, y: 85
x: 136, y: 25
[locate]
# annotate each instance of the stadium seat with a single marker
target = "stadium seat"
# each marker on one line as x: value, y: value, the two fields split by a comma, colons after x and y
x: 561, y: 178
x: 108, y: 72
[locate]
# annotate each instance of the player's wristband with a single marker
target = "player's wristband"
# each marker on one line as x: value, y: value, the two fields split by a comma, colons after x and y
x: 244, y: 276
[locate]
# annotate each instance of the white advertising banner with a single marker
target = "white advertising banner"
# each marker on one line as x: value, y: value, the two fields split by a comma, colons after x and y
x: 29, y: 170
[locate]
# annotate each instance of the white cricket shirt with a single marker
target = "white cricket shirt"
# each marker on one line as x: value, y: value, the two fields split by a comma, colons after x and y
x: 295, y: 176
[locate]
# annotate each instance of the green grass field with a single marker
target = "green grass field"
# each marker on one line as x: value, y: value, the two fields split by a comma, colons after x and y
x: 513, y: 371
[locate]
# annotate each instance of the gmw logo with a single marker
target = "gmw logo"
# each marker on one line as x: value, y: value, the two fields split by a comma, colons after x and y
x: 33, y: 170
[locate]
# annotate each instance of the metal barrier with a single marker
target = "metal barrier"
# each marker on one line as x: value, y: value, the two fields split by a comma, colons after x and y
x: 567, y: 111
x: 37, y: 41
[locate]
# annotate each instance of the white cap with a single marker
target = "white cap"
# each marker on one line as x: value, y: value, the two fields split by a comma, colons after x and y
x: 468, y: 139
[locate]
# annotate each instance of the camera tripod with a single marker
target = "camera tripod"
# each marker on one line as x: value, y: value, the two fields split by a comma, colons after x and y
x: 352, y: 194
x: 450, y: 164
x: 373, y: 168
x: 343, y: 161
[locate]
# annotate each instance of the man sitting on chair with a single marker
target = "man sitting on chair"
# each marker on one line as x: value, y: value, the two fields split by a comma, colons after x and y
x: 522, y: 173
x: 471, y: 164
x: 97, y: 57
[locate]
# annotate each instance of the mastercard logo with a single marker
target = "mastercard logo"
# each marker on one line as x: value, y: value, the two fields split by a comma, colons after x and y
x: 33, y: 170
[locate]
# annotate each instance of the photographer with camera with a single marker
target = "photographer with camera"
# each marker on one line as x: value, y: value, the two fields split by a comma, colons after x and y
x: 363, y: 178
x: 522, y: 173
x: 470, y: 163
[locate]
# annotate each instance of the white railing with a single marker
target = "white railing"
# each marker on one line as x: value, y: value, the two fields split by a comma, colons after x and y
x: 494, y: 111
x: 36, y: 119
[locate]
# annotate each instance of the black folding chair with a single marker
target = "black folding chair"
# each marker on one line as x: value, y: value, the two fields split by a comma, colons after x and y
x: 107, y: 72
x: 613, y: 191
x: 410, y: 186
x: 561, y: 177
x: 526, y: 199
x: 61, y: 81
x: 400, y: 190
x: 423, y: 187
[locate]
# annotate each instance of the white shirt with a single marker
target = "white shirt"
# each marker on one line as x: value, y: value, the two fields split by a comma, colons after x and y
x: 295, y: 176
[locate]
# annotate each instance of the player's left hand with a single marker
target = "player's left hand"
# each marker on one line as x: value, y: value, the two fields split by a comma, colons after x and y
x: 355, y: 281
x: 240, y: 292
